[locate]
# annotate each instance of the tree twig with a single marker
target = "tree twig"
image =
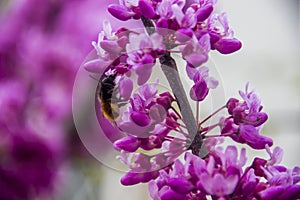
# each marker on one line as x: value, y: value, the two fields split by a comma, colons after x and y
x: 169, y: 67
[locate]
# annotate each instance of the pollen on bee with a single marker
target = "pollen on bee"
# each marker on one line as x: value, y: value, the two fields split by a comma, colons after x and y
x: 110, y: 110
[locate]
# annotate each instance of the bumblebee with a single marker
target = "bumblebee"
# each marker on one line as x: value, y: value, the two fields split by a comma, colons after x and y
x: 109, y: 102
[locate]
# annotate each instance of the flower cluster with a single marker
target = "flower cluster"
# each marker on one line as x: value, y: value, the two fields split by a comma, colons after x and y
x: 187, y: 18
x: 245, y: 121
x: 148, y: 122
x: 217, y: 175
x: 188, y: 26
x: 222, y: 177
x: 159, y: 127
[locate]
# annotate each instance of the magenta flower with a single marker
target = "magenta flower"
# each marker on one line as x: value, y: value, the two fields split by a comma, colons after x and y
x: 184, y: 20
x: 164, y: 9
x: 174, y: 184
x: 222, y: 181
x: 108, y: 48
x: 205, y: 9
x: 159, y: 127
x: 222, y: 37
x: 202, y: 83
x: 128, y: 9
x: 143, y: 168
x: 126, y: 87
x: 120, y: 12
x: 266, y: 180
x: 218, y: 185
x: 197, y: 178
x: 196, y: 52
x: 147, y: 8
x: 144, y: 112
x: 246, y: 120
x: 252, y: 138
x: 167, y: 20
x: 275, y: 156
x: 142, y: 52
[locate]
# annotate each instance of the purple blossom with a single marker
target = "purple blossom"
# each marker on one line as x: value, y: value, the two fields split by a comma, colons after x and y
x: 167, y: 18
x: 132, y: 9
x: 245, y: 134
x: 165, y: 99
x: 264, y: 180
x: 229, y: 158
x: 129, y: 144
x: 178, y: 15
x: 221, y: 37
x: 219, y: 185
x: 185, y: 20
x: 120, y: 12
x: 125, y: 10
x: 151, y: 121
x: 126, y: 87
x: 275, y: 156
x: 142, y: 52
x: 205, y: 10
x: 168, y: 186
x: 144, y: 113
x: 251, y: 99
x: 196, y: 52
x: 143, y: 168
x: 246, y: 121
x: 280, y: 193
x: 202, y: 83
x: 107, y: 47
x: 132, y: 178
x: 164, y: 9
x: 147, y: 8
x: 222, y: 180
x: 252, y: 138
x: 281, y: 183
x: 197, y: 178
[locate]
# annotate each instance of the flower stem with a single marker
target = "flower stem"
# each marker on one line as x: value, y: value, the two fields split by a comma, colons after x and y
x: 211, y: 115
x: 169, y: 67
x: 209, y: 128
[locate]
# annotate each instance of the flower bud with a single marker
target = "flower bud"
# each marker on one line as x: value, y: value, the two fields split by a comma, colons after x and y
x: 227, y: 46
x: 120, y: 12
x: 146, y: 9
x: 132, y: 178
x: 140, y: 118
x: 130, y: 144
x: 171, y: 194
x: 180, y: 185
x: 204, y: 12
